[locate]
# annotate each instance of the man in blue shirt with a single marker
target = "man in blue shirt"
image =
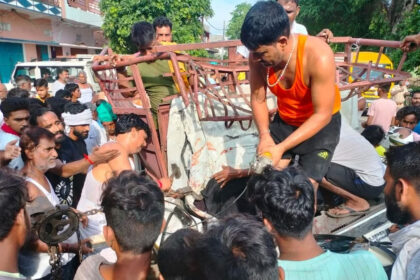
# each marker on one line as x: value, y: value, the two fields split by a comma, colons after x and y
x: 286, y: 200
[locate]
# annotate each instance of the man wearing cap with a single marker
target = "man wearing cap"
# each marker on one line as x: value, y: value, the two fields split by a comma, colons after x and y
x: 106, y: 118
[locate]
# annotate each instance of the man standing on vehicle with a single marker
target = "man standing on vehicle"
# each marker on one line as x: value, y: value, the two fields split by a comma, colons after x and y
x: 163, y: 29
x: 302, y: 76
x: 60, y: 83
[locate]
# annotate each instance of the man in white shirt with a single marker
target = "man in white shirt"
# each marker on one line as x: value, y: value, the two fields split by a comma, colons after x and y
x: 60, y: 83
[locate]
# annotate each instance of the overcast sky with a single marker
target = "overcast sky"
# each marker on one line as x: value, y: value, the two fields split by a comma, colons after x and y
x: 222, y: 13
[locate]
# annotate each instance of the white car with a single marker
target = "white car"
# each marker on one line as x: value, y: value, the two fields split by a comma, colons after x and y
x: 48, y: 70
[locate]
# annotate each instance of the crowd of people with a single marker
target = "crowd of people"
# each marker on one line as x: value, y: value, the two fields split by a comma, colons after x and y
x: 66, y: 146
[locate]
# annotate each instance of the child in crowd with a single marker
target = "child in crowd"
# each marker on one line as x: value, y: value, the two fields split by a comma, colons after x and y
x: 41, y: 86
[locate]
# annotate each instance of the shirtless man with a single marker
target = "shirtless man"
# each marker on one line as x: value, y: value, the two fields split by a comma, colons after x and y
x: 131, y: 137
x: 300, y: 71
x: 39, y: 155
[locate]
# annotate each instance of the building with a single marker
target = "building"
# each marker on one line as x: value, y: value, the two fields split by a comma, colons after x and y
x: 45, y: 29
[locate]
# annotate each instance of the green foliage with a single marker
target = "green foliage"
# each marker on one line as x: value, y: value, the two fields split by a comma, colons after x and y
x: 120, y: 15
x: 365, y: 19
x: 235, y: 24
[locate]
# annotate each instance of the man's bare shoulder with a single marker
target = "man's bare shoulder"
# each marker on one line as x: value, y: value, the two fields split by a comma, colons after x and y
x: 316, y: 49
x: 113, y: 145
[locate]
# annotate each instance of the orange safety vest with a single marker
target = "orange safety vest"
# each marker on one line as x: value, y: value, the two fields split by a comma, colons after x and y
x: 295, y: 104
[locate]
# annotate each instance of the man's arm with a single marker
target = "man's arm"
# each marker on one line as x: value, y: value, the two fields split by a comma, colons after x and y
x: 321, y: 70
x: 98, y: 155
x: 258, y: 103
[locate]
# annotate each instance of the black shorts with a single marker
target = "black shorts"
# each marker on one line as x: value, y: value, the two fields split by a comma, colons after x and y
x: 345, y: 178
x: 315, y: 153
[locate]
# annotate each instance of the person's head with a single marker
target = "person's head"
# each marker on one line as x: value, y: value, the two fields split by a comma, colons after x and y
x: 238, y: 247
x: 41, y: 86
x: 24, y: 82
x: 408, y: 117
x: 38, y: 148
x: 77, y: 117
x: 286, y: 200
x: 45, y: 73
x: 57, y: 105
x: 291, y: 7
x: 74, y: 90
x: 415, y: 98
x: 3, y: 92
x: 81, y: 77
x: 133, y: 207
x: 16, y: 113
x: 143, y: 37
x: 163, y: 29
x: 14, y: 222
x: 18, y: 93
x: 62, y: 75
x: 45, y: 118
x: 106, y: 116
x: 402, y: 176
x: 383, y: 90
x: 134, y: 130
x: 63, y: 94
x: 176, y: 259
x: 374, y: 134
x: 265, y: 32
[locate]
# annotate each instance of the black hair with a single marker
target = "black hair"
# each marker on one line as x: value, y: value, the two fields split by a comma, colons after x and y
x: 35, y: 114
x: 295, y: 1
x: 385, y: 87
x: 134, y: 208
x: 408, y: 110
x: 286, y: 198
x: 374, y: 134
x: 142, y: 34
x: 35, y: 104
x: 415, y: 91
x: 239, y: 247
x: 13, y: 104
x: 41, y: 83
x: 57, y: 105
x: 18, y: 92
x: 22, y: 79
x: 264, y: 24
x: 13, y: 197
x: 62, y: 93
x: 126, y: 122
x: 404, y: 162
x: 162, y: 21
x: 31, y: 137
x: 176, y: 259
x: 61, y: 70
x: 71, y: 87
x: 74, y: 108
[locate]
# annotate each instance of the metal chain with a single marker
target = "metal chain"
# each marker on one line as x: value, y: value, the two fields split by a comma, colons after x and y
x: 55, y: 262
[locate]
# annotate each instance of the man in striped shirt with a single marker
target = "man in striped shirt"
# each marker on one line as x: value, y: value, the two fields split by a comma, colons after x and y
x: 286, y: 200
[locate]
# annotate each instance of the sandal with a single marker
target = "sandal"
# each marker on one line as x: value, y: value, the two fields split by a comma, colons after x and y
x: 351, y: 212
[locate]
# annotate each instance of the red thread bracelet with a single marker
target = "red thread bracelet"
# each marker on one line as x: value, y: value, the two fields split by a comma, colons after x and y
x: 160, y: 184
x: 88, y: 159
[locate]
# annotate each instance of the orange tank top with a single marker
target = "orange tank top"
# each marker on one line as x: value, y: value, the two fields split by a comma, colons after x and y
x: 295, y: 104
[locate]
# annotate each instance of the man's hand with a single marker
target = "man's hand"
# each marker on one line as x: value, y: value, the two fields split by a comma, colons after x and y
x: 266, y: 141
x: 228, y: 173
x: 98, y: 155
x: 11, y: 151
x: 326, y: 34
x: 166, y: 184
x: 276, y: 152
x: 410, y: 43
